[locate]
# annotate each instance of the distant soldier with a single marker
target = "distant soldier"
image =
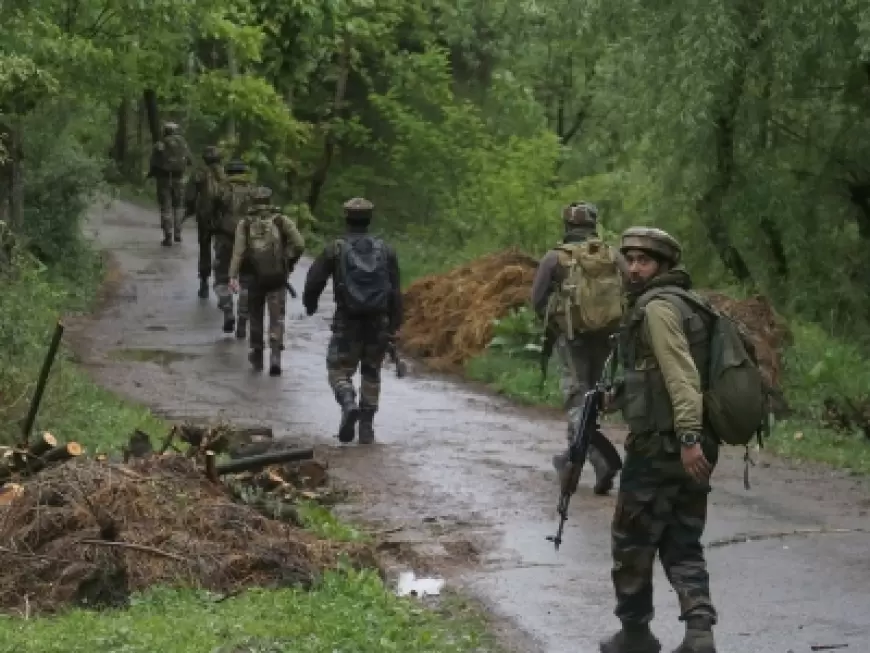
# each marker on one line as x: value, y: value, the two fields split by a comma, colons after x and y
x: 233, y: 204
x: 169, y: 160
x: 272, y: 245
x: 368, y: 313
x: 578, y: 292
x: 201, y: 197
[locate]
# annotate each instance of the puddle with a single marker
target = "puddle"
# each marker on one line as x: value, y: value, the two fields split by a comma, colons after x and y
x: 410, y: 585
x: 162, y: 357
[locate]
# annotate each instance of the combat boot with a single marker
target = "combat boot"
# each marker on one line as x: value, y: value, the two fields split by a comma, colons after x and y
x: 366, y: 425
x: 177, y: 237
x: 229, y: 323
x: 167, y: 239
x: 275, y: 362
x: 241, y: 327
x: 604, y: 472
x: 255, y: 358
x: 349, y: 417
x: 699, y: 636
x: 632, y: 638
x: 203, y: 288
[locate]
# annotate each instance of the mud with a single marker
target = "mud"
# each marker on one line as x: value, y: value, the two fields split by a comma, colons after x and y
x: 461, y: 481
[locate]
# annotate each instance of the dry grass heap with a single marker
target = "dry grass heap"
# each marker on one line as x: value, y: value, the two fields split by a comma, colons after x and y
x: 448, y: 317
x: 89, y: 533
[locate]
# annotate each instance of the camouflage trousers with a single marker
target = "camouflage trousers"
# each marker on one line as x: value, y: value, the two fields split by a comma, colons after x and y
x: 352, y: 346
x: 204, y: 238
x: 223, y: 255
x: 582, y: 360
x: 259, y: 301
x: 660, y: 510
x: 169, y: 197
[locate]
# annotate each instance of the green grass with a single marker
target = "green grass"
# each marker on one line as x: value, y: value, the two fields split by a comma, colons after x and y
x: 516, y: 377
x: 349, y: 611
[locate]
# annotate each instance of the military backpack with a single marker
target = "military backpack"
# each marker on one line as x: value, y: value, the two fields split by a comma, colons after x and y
x: 265, y: 251
x: 590, y: 296
x: 174, y: 155
x: 235, y: 204
x: 363, y: 277
x: 736, y: 405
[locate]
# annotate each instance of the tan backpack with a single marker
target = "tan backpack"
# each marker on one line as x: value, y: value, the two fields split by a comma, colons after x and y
x: 590, y: 297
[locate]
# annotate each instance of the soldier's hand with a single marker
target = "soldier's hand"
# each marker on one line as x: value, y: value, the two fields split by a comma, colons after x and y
x: 695, y: 463
x: 234, y: 285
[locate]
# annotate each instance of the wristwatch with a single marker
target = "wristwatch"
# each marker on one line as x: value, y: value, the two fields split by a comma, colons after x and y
x: 689, y: 439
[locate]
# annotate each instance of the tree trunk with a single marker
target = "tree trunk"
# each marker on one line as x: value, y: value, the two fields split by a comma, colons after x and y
x: 711, y: 203
x: 318, y: 179
x: 149, y: 96
x: 119, y: 150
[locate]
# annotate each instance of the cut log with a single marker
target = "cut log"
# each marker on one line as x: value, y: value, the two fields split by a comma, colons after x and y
x: 63, y: 452
x: 211, y: 466
x: 264, y: 460
x: 10, y: 492
x: 42, y: 445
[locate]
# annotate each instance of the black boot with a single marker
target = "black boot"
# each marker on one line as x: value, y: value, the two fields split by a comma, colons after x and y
x: 366, y: 425
x: 699, y: 636
x: 241, y: 327
x: 255, y: 358
x: 349, y: 417
x: 229, y: 323
x: 167, y: 240
x: 275, y: 362
x: 632, y: 638
x: 203, y: 288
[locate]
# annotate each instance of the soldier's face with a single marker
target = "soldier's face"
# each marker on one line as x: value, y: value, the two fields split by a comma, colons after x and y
x: 641, y: 267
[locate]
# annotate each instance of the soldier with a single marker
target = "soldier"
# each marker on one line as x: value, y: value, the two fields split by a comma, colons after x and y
x: 234, y: 202
x: 201, y: 197
x: 368, y: 313
x: 661, y: 505
x: 169, y: 159
x: 582, y: 354
x: 272, y: 245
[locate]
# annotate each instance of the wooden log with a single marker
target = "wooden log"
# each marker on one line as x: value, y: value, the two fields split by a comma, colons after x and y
x: 264, y: 460
x: 63, y: 452
x: 10, y: 492
x: 211, y: 467
x: 42, y: 445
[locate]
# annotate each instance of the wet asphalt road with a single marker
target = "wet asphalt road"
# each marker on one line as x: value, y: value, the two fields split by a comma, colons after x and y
x: 466, y: 476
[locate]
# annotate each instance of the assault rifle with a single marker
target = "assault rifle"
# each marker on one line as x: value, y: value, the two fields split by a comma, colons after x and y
x: 587, y: 426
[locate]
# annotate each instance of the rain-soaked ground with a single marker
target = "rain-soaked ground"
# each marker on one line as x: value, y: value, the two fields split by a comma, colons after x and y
x: 462, y: 479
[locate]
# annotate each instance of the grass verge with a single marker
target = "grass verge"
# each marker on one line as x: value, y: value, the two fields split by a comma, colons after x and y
x: 347, y: 611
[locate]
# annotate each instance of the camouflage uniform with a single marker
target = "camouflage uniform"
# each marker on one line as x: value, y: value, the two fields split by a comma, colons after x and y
x: 260, y: 298
x: 237, y: 177
x: 170, y: 188
x: 660, y: 508
x: 582, y: 357
x: 202, y: 206
x: 355, y: 343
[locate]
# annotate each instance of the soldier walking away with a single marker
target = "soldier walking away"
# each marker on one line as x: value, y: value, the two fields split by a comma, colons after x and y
x: 169, y: 160
x: 233, y: 204
x: 661, y: 506
x: 578, y: 293
x: 201, y: 197
x: 271, y: 245
x: 368, y: 314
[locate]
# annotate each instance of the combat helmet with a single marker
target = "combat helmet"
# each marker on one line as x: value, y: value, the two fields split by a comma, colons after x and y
x: 170, y: 128
x: 236, y: 167
x: 211, y: 154
x: 656, y: 242
x: 358, y: 209
x: 580, y: 214
x: 261, y: 195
